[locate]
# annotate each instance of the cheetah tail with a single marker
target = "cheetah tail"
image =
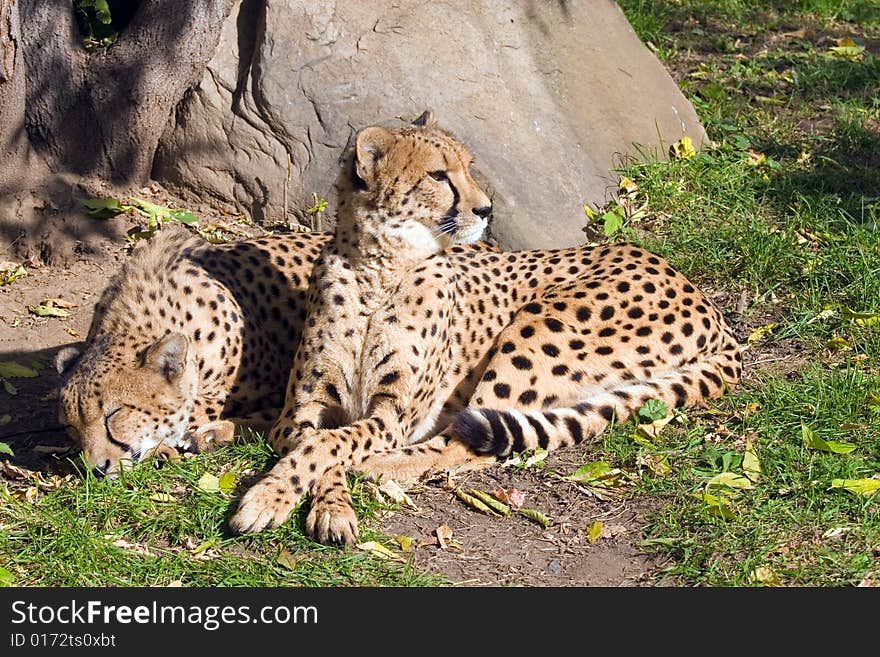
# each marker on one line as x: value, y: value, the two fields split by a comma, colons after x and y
x: 501, y: 433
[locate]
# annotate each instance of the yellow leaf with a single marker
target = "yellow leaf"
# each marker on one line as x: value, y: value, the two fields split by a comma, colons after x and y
x: 475, y: 503
x: 751, y: 464
x: 405, y: 542
x: 535, y: 516
x: 682, y: 149
x: 491, y: 502
x: 209, y: 483
x: 226, y: 482
x: 11, y: 369
x: 758, y: 334
x: 765, y: 575
x: 162, y: 497
x: 730, y: 480
x: 653, y: 429
x: 378, y: 550
x: 594, y: 531
x: 837, y: 343
x: 627, y: 185
x: 717, y: 504
x: 656, y: 463
x: 857, y: 486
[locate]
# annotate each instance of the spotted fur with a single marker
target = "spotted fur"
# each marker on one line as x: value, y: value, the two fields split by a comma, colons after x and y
x: 187, y: 340
x: 414, y: 357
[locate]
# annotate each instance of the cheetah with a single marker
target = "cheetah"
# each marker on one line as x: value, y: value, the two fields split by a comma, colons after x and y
x: 188, y: 340
x: 416, y: 354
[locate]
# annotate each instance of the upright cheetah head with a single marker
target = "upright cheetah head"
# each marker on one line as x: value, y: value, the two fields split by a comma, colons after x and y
x: 118, y: 406
x: 416, y: 186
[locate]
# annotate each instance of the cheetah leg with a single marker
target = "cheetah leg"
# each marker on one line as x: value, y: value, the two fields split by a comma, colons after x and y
x: 500, y: 432
x: 442, y: 452
x: 331, y: 517
x: 211, y: 435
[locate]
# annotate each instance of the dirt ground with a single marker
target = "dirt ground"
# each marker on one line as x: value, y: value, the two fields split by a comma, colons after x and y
x: 482, y: 551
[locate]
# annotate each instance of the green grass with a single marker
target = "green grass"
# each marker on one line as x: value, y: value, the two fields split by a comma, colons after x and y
x: 782, y: 211
x: 66, y: 537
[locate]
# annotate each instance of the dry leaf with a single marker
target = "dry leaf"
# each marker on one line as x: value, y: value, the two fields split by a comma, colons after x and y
x: 378, y: 550
x: 58, y: 303
x: 444, y: 535
x: 515, y: 498
x: 133, y: 547
x: 765, y: 575
x: 289, y: 560
x: 393, y: 490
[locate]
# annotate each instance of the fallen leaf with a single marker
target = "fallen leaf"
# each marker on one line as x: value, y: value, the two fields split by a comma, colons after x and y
x: 393, y: 490
x: 658, y: 464
x: 162, y: 497
x: 765, y: 575
x: 137, y: 548
x: 836, y: 532
x: 209, y: 483
x: 5, y: 419
x: 444, y: 535
x: 9, y: 388
x: 751, y: 465
x: 12, y: 370
x: 493, y: 503
x: 594, y: 531
x: 10, y: 271
x: 837, y: 343
x: 528, y: 459
x: 535, y: 516
x: 226, y: 482
x: 175, y: 584
x: 48, y: 311
x: 511, y: 496
x: 861, y: 319
x: 857, y: 486
x: 760, y: 333
x: 72, y: 333
x: 597, y: 474
x: 867, y: 581
x: 6, y: 578
x: 378, y: 550
x: 288, y: 560
x: 58, y: 303
x: 812, y: 441
x: 405, y: 542
x: 6, y: 449
x: 730, y: 480
x: 717, y: 504
x: 682, y: 149
x: 475, y: 503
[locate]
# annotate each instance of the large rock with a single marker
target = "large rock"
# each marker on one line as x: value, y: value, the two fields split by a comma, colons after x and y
x: 549, y: 96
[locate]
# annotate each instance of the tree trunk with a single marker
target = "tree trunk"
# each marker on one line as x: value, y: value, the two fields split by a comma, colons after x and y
x: 75, y: 123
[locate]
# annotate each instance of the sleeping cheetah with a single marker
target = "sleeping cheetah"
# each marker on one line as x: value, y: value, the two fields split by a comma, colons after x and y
x: 472, y: 355
x: 187, y: 334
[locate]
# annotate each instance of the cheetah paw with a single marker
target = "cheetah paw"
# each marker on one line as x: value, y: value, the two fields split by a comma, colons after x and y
x: 265, y: 505
x: 331, y: 522
x: 208, y: 437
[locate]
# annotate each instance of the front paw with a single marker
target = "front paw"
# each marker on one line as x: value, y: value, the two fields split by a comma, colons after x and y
x: 267, y: 504
x: 208, y: 437
x: 332, y: 522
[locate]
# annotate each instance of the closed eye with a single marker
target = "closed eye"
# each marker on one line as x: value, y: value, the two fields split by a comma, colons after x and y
x: 439, y: 176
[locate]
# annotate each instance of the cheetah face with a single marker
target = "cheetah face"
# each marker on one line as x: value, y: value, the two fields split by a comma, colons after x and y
x: 417, y: 180
x: 119, y: 411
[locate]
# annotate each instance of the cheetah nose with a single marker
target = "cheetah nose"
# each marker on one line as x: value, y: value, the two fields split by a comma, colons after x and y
x: 483, y: 212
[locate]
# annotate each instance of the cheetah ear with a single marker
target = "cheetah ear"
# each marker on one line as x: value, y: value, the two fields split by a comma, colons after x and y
x: 425, y: 120
x: 65, y: 359
x: 372, y: 143
x: 167, y: 356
